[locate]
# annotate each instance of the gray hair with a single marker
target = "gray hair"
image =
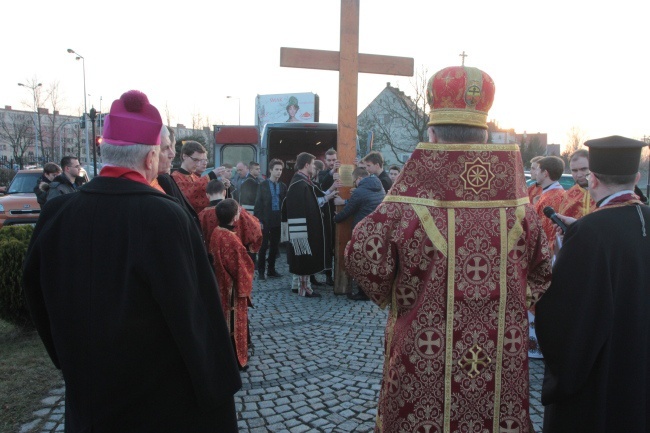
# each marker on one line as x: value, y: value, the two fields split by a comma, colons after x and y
x: 165, y: 132
x: 460, y: 134
x: 125, y: 156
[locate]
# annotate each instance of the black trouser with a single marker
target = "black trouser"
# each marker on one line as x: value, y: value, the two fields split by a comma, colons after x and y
x: 270, y: 236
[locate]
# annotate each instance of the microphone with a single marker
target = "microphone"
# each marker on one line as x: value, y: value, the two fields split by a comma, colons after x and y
x: 550, y: 214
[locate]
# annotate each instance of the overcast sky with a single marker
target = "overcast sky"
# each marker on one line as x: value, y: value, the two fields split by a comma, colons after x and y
x: 556, y: 64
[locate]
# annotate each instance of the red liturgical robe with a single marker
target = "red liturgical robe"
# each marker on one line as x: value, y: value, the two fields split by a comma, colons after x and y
x: 234, y: 270
x: 553, y: 196
x: 534, y: 192
x: 577, y: 203
x: 458, y: 255
x: 193, y: 187
x: 247, y: 227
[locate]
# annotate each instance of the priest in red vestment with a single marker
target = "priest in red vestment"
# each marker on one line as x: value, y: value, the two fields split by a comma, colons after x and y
x: 234, y: 270
x: 458, y: 255
x: 247, y: 227
x: 553, y: 195
x: 578, y: 201
x: 189, y: 177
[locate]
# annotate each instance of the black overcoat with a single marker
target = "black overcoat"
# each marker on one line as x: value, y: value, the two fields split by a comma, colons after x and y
x: 593, y: 326
x: 119, y: 286
x: 300, y: 209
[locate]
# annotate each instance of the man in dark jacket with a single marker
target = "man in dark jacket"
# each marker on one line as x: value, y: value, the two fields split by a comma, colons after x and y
x: 268, y: 209
x: 375, y: 166
x: 365, y: 198
x: 367, y: 195
x: 50, y: 171
x: 68, y: 181
x: 135, y: 321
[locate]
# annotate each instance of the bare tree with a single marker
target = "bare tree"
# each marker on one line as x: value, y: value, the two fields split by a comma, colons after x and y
x: 18, y: 130
x: 55, y: 100
x: 35, y: 103
x: 575, y: 140
x: 168, y: 114
x: 397, y: 121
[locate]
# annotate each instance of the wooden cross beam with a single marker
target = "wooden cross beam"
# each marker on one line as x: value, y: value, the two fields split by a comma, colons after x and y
x: 349, y: 62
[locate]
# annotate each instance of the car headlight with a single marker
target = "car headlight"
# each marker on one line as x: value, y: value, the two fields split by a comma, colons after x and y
x: 2, y: 209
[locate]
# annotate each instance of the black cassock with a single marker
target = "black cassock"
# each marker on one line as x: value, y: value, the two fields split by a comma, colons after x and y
x: 123, y: 296
x: 593, y: 325
x: 309, y: 250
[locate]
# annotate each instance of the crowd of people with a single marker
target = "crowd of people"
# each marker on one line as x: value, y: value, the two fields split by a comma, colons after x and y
x: 150, y: 324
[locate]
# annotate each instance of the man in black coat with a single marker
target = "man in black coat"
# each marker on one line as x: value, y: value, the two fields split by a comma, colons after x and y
x: 68, y: 181
x: 268, y: 209
x: 134, y: 321
x: 165, y: 182
x: 309, y: 250
x: 326, y: 179
x: 375, y: 165
x: 50, y: 172
x: 592, y: 323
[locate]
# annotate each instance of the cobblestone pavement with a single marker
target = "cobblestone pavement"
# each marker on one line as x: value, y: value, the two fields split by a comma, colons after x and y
x: 316, y: 366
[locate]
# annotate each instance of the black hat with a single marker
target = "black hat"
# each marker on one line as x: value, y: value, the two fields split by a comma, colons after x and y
x: 614, y: 155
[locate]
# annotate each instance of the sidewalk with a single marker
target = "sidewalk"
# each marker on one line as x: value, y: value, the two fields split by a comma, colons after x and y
x: 316, y: 365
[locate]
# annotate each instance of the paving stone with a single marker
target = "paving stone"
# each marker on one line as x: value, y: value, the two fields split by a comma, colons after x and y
x: 316, y: 367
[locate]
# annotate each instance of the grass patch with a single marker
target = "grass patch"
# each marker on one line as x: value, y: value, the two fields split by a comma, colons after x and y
x: 26, y: 376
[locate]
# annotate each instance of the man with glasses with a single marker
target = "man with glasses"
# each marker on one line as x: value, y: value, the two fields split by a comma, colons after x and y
x: 68, y: 181
x: 188, y: 177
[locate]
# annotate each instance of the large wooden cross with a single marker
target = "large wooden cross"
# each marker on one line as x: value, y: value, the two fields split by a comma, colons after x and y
x: 349, y: 62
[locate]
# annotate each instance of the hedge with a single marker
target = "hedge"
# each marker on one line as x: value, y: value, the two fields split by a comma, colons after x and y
x: 14, y: 241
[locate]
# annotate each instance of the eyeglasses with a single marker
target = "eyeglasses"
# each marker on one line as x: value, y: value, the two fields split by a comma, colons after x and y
x: 199, y: 160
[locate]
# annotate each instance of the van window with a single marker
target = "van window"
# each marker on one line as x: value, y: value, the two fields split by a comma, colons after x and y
x: 234, y: 153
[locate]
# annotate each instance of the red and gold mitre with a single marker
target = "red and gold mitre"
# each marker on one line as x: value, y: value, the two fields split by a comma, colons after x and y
x: 460, y: 95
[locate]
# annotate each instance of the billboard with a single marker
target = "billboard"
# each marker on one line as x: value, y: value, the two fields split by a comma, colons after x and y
x: 286, y: 107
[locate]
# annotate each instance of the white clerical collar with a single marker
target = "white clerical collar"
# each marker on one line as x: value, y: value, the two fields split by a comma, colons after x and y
x: 554, y: 185
x: 613, y: 196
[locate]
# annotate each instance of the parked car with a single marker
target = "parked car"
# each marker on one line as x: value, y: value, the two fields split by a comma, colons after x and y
x: 19, y: 205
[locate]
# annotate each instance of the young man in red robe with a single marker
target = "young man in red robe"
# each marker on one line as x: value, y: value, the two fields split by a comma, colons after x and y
x: 553, y: 195
x: 578, y: 201
x: 457, y: 253
x: 234, y: 270
x: 247, y: 227
x: 189, y: 177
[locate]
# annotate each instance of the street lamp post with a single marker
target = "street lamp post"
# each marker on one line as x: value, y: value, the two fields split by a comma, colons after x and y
x: 238, y: 108
x: 39, y: 137
x: 83, y: 62
x: 93, y: 116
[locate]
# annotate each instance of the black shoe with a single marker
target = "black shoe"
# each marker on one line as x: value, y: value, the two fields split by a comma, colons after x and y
x: 294, y: 290
x: 273, y: 274
x: 313, y: 295
x: 261, y: 277
x: 359, y: 296
x: 329, y: 281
